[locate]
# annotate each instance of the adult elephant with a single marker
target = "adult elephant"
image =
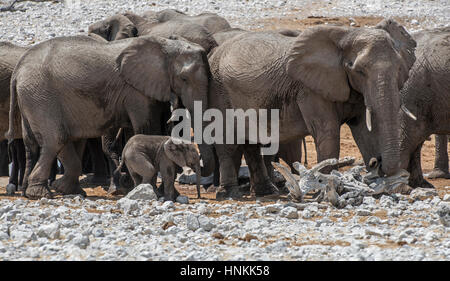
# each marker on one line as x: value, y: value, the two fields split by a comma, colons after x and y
x: 306, y: 77
x: 426, y: 95
x: 211, y: 21
x: 9, y: 56
x: 128, y: 25
x: 131, y: 25
x: 74, y: 88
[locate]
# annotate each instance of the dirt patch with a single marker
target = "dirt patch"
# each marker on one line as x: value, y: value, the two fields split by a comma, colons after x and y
x: 301, y: 23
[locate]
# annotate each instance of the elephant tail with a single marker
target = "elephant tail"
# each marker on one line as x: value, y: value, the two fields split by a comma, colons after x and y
x: 306, y: 152
x: 13, y: 111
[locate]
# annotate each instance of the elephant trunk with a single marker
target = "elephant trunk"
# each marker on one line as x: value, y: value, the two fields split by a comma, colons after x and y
x: 386, y: 115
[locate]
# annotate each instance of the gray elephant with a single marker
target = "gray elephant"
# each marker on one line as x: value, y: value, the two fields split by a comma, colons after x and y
x: 90, y: 87
x: 131, y: 25
x: 211, y: 21
x: 145, y: 156
x: 9, y: 56
x: 426, y: 95
x: 310, y: 79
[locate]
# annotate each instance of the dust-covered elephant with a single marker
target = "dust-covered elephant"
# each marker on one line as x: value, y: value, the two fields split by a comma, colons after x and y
x: 310, y: 78
x: 425, y: 99
x: 73, y: 88
x: 145, y: 156
x: 132, y: 25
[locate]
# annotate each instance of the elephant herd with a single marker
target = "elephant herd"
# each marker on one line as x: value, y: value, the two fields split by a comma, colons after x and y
x: 79, y: 99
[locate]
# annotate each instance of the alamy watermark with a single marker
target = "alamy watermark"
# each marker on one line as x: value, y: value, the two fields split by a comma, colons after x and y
x: 236, y: 127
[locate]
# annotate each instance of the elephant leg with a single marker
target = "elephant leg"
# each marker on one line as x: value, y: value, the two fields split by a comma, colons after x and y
x: 70, y: 158
x: 53, y: 172
x: 100, y: 168
x: 14, y: 177
x: 168, y: 174
x: 113, y: 159
x: 229, y: 185
x: 415, y: 169
x: 21, y: 160
x: 261, y: 184
x: 323, y: 124
x: 38, y: 179
x: 4, y: 159
x: 441, y: 159
x: 31, y: 157
x: 216, y: 180
x: 291, y: 152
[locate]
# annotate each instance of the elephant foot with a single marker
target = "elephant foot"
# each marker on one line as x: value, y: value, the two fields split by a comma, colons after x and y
x: 38, y: 191
x: 94, y: 181
x: 234, y: 192
x: 126, y: 182
x: 438, y: 174
x: 11, y: 189
x: 65, y: 186
x: 420, y: 183
x: 266, y: 189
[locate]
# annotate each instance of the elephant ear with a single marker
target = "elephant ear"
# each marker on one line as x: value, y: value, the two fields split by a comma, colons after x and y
x: 120, y: 27
x: 175, y: 152
x: 315, y: 60
x: 144, y: 66
x: 403, y: 42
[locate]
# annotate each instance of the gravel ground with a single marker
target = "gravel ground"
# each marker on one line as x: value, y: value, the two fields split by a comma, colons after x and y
x: 72, y: 228
x: 393, y: 227
x: 45, y: 20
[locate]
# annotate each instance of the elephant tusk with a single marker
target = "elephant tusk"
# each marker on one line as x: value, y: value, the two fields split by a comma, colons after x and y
x: 172, y: 119
x: 201, y: 163
x: 409, y: 113
x: 368, y: 119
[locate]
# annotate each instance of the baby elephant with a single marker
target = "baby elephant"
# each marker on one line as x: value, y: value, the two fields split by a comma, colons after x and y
x: 145, y: 155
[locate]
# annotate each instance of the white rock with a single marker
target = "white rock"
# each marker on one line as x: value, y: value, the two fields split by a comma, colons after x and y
x: 81, y: 241
x: 192, y: 222
x: 363, y: 212
x: 10, y: 189
x: 142, y: 192
x: 182, y: 199
x: 127, y: 205
x: 50, y: 231
x: 275, y: 208
x: 446, y: 197
x: 205, y: 223
x: 289, y: 212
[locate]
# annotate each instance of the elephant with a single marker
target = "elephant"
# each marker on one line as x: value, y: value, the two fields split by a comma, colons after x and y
x: 311, y: 79
x: 441, y: 169
x: 211, y: 21
x: 145, y: 156
x: 426, y: 96
x: 9, y: 56
x: 131, y: 25
x: 90, y: 87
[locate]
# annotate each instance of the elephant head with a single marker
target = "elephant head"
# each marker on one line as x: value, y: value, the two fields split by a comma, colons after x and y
x: 184, y: 155
x: 114, y: 28
x: 169, y: 14
x: 331, y: 61
x: 159, y: 67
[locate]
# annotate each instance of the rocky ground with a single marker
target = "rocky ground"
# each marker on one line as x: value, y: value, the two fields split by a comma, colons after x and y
x: 101, y: 227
